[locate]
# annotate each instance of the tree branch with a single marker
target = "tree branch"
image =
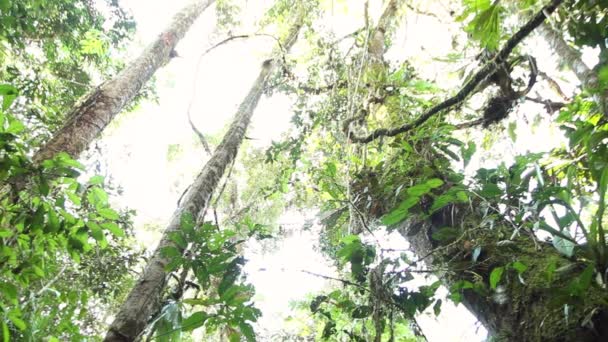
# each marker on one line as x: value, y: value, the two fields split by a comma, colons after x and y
x: 470, y: 86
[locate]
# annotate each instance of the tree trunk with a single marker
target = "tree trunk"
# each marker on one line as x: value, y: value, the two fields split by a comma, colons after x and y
x: 145, y: 298
x: 573, y: 60
x: 97, y: 109
x: 514, y: 311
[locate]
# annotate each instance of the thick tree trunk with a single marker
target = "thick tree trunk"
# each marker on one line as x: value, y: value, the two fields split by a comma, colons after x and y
x: 515, y: 311
x: 145, y: 298
x: 97, y: 109
x: 574, y: 61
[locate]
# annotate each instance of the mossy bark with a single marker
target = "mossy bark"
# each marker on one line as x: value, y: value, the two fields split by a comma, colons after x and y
x: 524, y: 307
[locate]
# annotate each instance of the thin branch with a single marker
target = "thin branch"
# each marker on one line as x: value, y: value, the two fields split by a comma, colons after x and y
x: 343, y: 281
x: 470, y: 86
x: 550, y: 106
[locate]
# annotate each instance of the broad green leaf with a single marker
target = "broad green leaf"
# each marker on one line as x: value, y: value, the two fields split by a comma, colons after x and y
x: 434, y: 183
x: 564, y: 246
x: 519, y: 267
x: 437, y: 307
x: 96, y: 180
x: 418, y: 190
x: 468, y: 152
x: 108, y: 213
x: 362, y: 311
x: 512, y: 128
x: 96, y: 231
x: 247, y: 331
x: 316, y: 303
x: 6, y: 334
x: 196, y: 320
x: 401, y: 212
x: 187, y: 223
x: 113, y: 228
x: 442, y: 201
x: 17, y: 321
x: 495, y: 276
x: 171, y: 252
x: 490, y: 190
x: 8, y: 92
x: 5, y: 5
x: 234, y: 336
x: 9, y: 290
x: 445, y: 234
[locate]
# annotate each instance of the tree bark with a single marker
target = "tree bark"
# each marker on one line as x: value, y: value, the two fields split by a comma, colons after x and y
x: 515, y: 311
x: 96, y: 110
x: 573, y: 60
x: 145, y: 298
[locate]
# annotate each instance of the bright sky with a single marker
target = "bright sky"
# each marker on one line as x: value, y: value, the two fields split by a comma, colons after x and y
x: 138, y: 143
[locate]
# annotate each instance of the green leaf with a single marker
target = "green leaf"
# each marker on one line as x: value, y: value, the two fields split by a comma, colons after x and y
x: 6, y: 334
x: 196, y: 320
x: 442, y: 201
x: 5, y: 5
x: 108, y: 213
x: 171, y: 252
x: 329, y: 329
x: 434, y: 183
x: 15, y: 126
x: 187, y: 223
x: 437, y: 307
x: 564, y: 246
x: 178, y: 239
x: 9, y: 290
x: 234, y: 336
x: 401, y: 212
x: 602, y: 76
x: 247, y: 331
x: 64, y: 159
x: 5, y: 233
x: 316, y: 303
x: 550, y: 271
x: 362, y: 311
x: 8, y: 92
x: 495, y: 276
x: 96, y: 231
x: 97, y: 197
x: 468, y: 152
x: 17, y: 321
x: 75, y: 199
x: 519, y: 267
x: 512, y: 134
x: 96, y: 180
x: 445, y: 234
x: 418, y: 190
x: 114, y: 229
x: 490, y: 190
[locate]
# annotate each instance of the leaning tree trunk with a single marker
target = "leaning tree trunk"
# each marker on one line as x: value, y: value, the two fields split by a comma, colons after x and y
x: 523, y: 309
x: 145, y: 298
x: 573, y: 59
x: 97, y: 109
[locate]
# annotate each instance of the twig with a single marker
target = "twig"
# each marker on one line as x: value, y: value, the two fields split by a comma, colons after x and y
x: 486, y: 71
